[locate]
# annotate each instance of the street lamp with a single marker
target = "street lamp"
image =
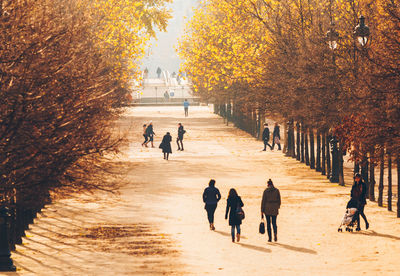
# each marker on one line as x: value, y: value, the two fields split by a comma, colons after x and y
x: 361, y: 31
x: 332, y: 36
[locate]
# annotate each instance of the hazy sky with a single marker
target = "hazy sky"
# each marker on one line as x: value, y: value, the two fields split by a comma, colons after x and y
x: 162, y: 52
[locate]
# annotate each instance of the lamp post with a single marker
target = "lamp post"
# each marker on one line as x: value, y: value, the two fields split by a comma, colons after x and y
x: 361, y: 32
x: 332, y: 38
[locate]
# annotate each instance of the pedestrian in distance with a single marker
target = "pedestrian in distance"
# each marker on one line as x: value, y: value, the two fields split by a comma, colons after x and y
x: 150, y: 134
x: 186, y: 107
x: 359, y: 195
x: 166, y: 96
x: 233, y: 204
x: 270, y: 204
x: 166, y: 145
x: 145, y: 136
x: 265, y: 137
x: 179, y: 139
x: 211, y: 196
x: 276, y: 137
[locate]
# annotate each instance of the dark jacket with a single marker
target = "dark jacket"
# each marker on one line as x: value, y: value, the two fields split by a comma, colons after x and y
x: 265, y: 135
x: 181, y: 131
x: 276, y: 132
x: 359, y: 192
x: 166, y: 144
x: 149, y: 130
x: 211, y: 195
x: 271, y: 201
x: 231, y: 208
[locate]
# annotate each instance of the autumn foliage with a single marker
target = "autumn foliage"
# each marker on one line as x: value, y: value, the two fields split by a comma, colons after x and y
x: 65, y: 69
x: 272, y: 58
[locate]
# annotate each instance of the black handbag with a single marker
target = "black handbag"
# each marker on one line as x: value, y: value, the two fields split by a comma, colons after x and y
x: 240, y: 213
x: 262, y: 228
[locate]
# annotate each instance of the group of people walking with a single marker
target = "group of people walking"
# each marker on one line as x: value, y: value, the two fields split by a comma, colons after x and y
x: 276, y: 137
x: 270, y: 204
x: 148, y: 134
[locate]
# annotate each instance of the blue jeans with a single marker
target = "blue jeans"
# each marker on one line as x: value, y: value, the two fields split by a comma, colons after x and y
x: 233, y: 230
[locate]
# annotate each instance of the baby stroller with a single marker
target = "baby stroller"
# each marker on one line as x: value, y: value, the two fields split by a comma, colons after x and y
x: 350, y: 217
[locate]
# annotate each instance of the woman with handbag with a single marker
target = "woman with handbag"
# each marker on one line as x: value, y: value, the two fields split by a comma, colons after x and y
x: 234, y: 206
x: 270, y: 204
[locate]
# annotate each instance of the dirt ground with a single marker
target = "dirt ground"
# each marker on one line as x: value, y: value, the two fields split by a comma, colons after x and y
x: 157, y: 224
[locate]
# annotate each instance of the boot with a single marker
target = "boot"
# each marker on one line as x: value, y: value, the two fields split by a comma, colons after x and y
x: 269, y: 234
x: 275, y: 234
x: 237, y: 237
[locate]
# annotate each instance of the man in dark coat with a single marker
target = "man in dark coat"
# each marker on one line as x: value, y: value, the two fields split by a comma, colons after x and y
x: 211, y: 196
x: 270, y: 204
x: 276, y: 137
x: 181, y: 132
x: 359, y: 195
x: 265, y: 137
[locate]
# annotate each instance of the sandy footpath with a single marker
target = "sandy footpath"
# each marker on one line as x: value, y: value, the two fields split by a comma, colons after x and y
x: 157, y: 225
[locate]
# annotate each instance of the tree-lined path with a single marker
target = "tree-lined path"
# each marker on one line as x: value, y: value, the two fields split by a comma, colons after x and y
x: 157, y: 224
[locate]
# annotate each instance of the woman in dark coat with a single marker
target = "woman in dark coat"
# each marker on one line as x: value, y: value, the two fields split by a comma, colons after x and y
x: 232, y: 203
x: 166, y: 145
x: 270, y: 204
x: 359, y: 195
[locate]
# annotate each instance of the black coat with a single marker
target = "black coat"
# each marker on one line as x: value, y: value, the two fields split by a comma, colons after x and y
x: 231, y: 207
x: 181, y: 131
x: 149, y: 130
x: 276, y: 132
x: 265, y: 135
x: 211, y: 195
x: 166, y: 144
x: 359, y: 192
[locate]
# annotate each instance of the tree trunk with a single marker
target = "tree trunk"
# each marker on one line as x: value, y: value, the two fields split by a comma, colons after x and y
x: 341, y: 171
x: 364, y: 171
x: 285, y: 137
x: 323, y: 167
x: 292, y: 139
x: 312, y: 150
x: 318, y: 161
x: 298, y: 141
x: 302, y: 160
x: 389, y: 199
x: 381, y: 175
x: 306, y: 147
x: 372, y: 178
x: 328, y: 157
x: 398, y: 185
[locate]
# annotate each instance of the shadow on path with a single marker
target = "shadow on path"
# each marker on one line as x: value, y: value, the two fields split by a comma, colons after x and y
x: 254, y: 247
x: 229, y: 234
x: 376, y: 234
x: 294, y: 248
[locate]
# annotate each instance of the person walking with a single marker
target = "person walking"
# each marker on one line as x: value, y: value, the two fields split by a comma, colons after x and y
x: 265, y: 137
x: 186, y: 107
x: 270, y: 204
x: 232, y: 205
x: 211, y: 196
x: 166, y: 96
x: 276, y: 137
x: 359, y: 195
x: 145, y: 136
x: 181, y: 132
x: 150, y: 134
x: 166, y: 145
